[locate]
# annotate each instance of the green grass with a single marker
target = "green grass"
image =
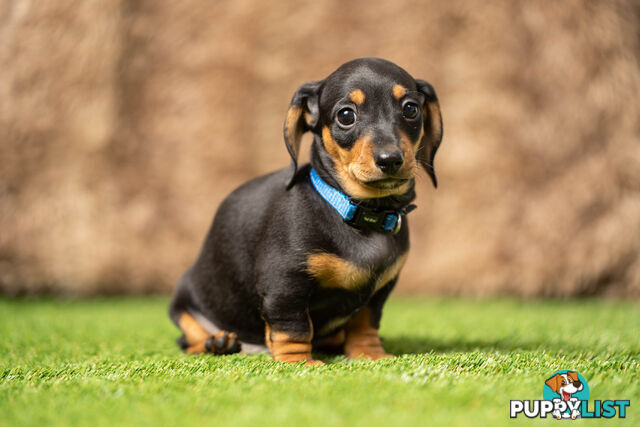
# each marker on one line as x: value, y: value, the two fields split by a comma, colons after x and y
x: 113, y: 362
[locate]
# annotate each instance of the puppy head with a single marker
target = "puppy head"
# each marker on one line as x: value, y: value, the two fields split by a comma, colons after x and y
x: 375, y: 121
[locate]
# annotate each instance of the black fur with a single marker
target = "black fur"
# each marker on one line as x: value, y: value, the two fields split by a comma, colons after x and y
x: 252, y: 270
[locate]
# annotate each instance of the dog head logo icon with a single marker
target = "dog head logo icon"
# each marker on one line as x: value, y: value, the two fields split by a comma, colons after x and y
x: 568, y: 387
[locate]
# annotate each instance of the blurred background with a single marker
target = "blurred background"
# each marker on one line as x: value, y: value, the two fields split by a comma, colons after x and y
x: 123, y: 124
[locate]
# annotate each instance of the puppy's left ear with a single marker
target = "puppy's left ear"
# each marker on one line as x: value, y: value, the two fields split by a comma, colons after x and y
x: 432, y: 129
x: 302, y: 116
x: 553, y: 383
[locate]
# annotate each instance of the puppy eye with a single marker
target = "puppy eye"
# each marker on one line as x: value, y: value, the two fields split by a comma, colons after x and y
x: 346, y: 117
x: 410, y: 110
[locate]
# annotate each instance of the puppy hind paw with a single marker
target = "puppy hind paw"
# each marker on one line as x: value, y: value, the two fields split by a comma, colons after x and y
x: 223, y: 343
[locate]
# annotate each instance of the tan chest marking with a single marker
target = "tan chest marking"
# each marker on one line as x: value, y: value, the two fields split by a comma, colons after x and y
x: 334, y: 272
x: 392, y: 271
x: 331, y: 271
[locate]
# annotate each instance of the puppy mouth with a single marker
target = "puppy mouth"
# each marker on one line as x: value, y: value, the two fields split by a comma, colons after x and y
x: 386, y: 183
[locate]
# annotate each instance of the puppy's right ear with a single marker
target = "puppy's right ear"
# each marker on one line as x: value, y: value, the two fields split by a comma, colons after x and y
x: 432, y: 129
x: 301, y: 117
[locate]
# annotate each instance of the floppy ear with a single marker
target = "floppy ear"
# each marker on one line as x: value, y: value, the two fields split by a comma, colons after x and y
x: 432, y: 129
x: 573, y: 375
x: 553, y: 382
x: 302, y: 116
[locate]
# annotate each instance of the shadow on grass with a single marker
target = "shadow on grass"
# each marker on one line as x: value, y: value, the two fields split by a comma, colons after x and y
x: 400, y: 345
x: 417, y: 345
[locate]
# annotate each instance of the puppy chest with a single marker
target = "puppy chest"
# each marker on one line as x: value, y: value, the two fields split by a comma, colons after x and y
x: 331, y: 271
x: 343, y: 287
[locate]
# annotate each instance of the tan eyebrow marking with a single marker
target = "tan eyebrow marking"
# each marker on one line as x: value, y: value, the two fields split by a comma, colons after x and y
x: 357, y: 96
x: 399, y: 91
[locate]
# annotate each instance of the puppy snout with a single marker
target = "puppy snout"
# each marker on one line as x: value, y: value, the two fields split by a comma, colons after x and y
x: 389, y: 161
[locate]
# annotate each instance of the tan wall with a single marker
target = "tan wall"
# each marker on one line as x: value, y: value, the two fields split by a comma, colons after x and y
x: 125, y: 123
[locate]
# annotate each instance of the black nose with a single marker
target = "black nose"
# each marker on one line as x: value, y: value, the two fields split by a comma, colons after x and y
x: 389, y: 161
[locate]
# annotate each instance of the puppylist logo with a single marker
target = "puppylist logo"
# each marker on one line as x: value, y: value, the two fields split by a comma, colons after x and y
x: 565, y: 395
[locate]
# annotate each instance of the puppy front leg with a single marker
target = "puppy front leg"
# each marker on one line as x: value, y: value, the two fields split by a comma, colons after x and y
x: 362, y: 338
x: 288, y: 331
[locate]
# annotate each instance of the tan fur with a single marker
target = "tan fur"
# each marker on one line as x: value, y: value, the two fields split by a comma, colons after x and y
x: 409, y: 147
x: 331, y: 271
x: 355, y: 166
x: 196, y: 335
x: 432, y: 109
x: 294, y: 132
x: 357, y: 96
x: 362, y: 339
x: 399, y: 91
x: 267, y: 336
x: 307, y: 118
x: 199, y: 346
x: 193, y: 331
x: 287, y: 348
x: 391, y: 272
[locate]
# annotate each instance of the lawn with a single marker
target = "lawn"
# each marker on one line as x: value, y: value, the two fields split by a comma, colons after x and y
x: 113, y: 361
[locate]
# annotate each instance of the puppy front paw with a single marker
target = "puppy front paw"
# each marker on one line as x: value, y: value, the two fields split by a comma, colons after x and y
x: 362, y: 340
x: 365, y: 347
x: 296, y: 358
x: 370, y: 355
x: 289, y: 349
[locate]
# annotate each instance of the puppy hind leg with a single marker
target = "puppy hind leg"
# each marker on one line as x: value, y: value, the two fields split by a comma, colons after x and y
x: 197, y: 340
x: 362, y: 339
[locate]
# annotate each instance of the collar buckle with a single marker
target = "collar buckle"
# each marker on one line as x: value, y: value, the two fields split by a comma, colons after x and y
x: 363, y: 218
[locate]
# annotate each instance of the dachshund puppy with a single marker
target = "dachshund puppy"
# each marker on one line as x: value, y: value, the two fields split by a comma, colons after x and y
x: 304, y: 258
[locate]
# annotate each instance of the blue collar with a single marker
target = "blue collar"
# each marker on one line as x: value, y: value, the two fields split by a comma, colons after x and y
x: 355, y: 215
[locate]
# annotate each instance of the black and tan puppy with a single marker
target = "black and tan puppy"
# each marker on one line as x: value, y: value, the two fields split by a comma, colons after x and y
x: 304, y: 258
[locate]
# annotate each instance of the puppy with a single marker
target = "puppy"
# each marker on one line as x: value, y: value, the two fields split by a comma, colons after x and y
x: 304, y: 258
x: 565, y: 385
